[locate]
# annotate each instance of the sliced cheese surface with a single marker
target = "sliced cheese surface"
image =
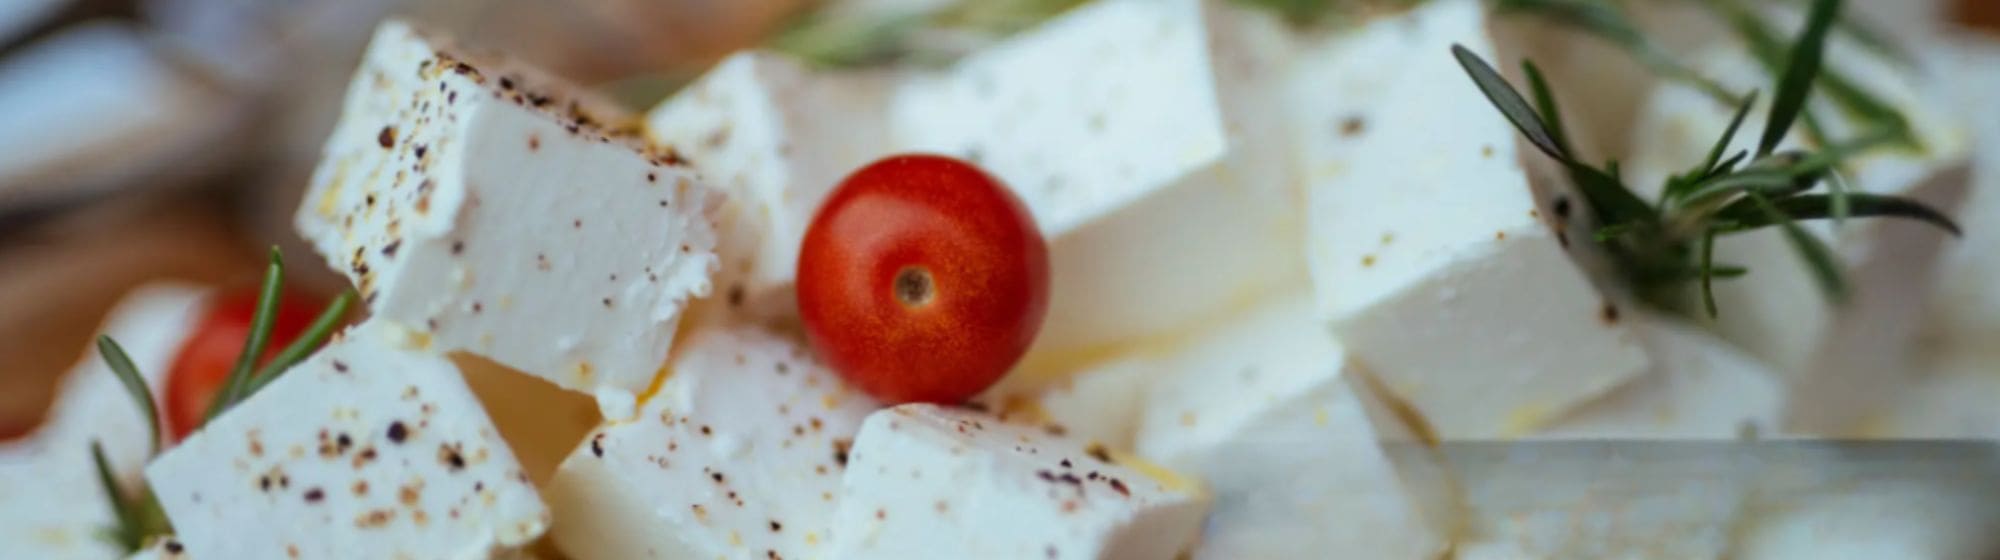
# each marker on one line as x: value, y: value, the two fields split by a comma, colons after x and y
x: 1302, y: 454
x: 738, y: 455
x: 1144, y: 137
x: 498, y: 211
x: 369, y: 449
x: 924, y: 480
x: 1700, y: 387
x: 51, y: 502
x: 776, y: 137
x: 1431, y: 252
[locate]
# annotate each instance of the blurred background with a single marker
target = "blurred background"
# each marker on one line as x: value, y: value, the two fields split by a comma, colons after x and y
x: 143, y: 140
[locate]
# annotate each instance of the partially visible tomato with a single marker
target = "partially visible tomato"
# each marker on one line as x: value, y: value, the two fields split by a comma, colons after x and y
x: 210, y: 352
x: 922, y: 279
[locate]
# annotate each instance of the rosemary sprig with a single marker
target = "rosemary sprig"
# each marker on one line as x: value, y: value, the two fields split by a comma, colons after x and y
x: 137, y: 515
x: 1660, y: 246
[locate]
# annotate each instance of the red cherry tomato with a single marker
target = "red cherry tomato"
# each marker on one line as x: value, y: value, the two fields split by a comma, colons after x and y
x: 922, y: 279
x: 208, y: 355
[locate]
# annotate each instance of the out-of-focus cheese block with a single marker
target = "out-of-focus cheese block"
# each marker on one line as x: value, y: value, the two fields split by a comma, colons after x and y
x: 924, y: 480
x: 1967, y: 306
x: 738, y: 455
x: 163, y: 548
x: 776, y: 138
x: 1952, y: 399
x: 498, y: 211
x: 51, y: 503
x: 369, y: 449
x: 1427, y: 246
x: 1145, y: 137
x: 1837, y: 360
x: 1602, y: 498
x: 1302, y: 454
x: 1896, y: 507
x: 96, y: 104
x: 1699, y: 387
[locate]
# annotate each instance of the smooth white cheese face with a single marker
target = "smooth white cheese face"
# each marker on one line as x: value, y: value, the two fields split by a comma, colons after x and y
x: 369, y: 449
x: 1700, y: 387
x: 1837, y: 360
x: 1099, y: 404
x: 1967, y: 306
x: 1428, y: 245
x: 51, y: 503
x: 1302, y: 454
x: 776, y: 137
x: 924, y: 480
x: 1951, y: 398
x: 738, y: 455
x: 497, y: 211
x: 1144, y: 137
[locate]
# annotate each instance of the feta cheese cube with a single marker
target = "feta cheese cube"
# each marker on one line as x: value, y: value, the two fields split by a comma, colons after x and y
x: 369, y: 449
x: 1699, y: 387
x: 1099, y: 404
x: 1837, y: 360
x: 1270, y: 396
x: 924, y: 480
x: 499, y: 212
x: 1952, y: 398
x: 776, y: 138
x: 1967, y: 307
x: 739, y: 454
x: 1427, y: 243
x: 51, y: 503
x: 1144, y: 137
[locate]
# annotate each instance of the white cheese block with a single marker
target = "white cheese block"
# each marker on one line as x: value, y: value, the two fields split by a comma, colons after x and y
x: 1428, y: 248
x: 1896, y: 502
x: 1837, y: 360
x: 738, y: 455
x: 1302, y: 454
x: 776, y: 138
x: 498, y: 211
x: 369, y: 449
x: 51, y: 503
x: 1603, y: 498
x: 1700, y: 387
x: 924, y: 480
x: 1967, y: 306
x: 163, y: 548
x: 1953, y: 398
x: 1099, y: 404
x: 1144, y: 137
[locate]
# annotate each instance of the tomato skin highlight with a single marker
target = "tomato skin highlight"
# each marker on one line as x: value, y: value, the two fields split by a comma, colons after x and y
x: 922, y: 279
x: 210, y: 352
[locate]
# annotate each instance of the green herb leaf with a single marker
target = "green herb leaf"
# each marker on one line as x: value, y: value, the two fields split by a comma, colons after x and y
x: 125, y: 533
x: 1819, y: 259
x: 135, y: 386
x: 1545, y: 102
x: 1801, y: 69
x: 1707, y: 267
x: 260, y: 336
x: 1509, y: 102
x: 1709, y: 165
x: 315, y: 335
x: 1837, y: 191
x: 1820, y: 207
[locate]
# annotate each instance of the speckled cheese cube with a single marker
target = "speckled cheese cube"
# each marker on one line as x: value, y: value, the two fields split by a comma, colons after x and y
x: 1142, y: 136
x: 369, y: 449
x: 1837, y: 360
x: 1699, y: 387
x: 924, y: 480
x: 1302, y: 454
x: 498, y: 211
x: 51, y: 503
x: 776, y: 137
x: 738, y: 455
x: 1430, y: 248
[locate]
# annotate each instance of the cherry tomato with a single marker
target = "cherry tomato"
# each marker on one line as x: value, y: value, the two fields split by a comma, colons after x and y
x: 922, y: 279
x: 210, y: 352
